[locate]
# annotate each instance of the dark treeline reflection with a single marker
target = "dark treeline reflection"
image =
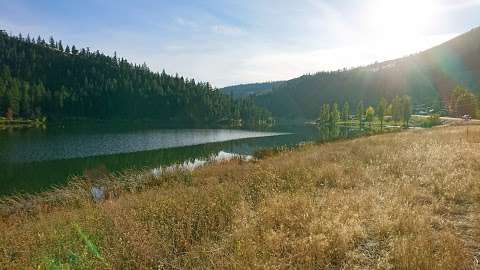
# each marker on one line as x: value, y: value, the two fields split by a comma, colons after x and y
x: 17, y: 176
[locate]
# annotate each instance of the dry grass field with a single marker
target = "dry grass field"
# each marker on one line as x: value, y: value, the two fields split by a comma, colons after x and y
x: 407, y: 200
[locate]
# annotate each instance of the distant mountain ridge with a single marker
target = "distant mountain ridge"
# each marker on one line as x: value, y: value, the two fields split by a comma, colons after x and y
x: 245, y: 90
x: 428, y: 77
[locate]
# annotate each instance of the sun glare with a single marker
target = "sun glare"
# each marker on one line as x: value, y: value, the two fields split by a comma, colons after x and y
x: 401, y: 18
x: 399, y: 27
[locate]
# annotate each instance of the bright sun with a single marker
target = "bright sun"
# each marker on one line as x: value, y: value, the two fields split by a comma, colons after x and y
x: 400, y: 18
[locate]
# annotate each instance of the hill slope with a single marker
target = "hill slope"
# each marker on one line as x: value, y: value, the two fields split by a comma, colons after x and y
x: 47, y: 79
x: 428, y: 77
x: 245, y: 90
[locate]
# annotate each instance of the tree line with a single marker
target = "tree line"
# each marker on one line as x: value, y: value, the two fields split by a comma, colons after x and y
x: 400, y: 110
x: 462, y: 102
x: 299, y: 98
x: 39, y: 78
x: 426, y: 77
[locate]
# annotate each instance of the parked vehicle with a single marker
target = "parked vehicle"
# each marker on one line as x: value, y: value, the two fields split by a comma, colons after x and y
x: 467, y: 117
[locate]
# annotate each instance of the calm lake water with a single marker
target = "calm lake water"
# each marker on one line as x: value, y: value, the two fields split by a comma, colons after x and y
x: 34, y: 160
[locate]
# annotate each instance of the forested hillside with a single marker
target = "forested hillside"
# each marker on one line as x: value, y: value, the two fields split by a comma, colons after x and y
x: 39, y: 78
x: 428, y: 77
x: 245, y: 90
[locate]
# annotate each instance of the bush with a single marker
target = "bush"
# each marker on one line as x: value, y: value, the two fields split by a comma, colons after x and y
x: 432, y: 120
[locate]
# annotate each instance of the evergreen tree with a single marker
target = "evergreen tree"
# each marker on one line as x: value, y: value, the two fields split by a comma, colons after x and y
x: 60, y: 46
x: 74, y: 50
x: 52, y: 43
x: 13, y: 97
x: 25, y: 100
x: 38, y: 99
x: 36, y: 80
x: 3, y: 105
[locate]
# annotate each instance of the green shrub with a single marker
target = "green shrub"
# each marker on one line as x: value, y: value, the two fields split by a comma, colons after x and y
x: 431, y: 121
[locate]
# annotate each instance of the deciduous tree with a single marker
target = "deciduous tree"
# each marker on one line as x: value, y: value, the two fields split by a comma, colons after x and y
x: 370, y: 114
x: 463, y: 102
x: 382, y: 107
x: 406, y: 109
x: 346, y: 111
x: 360, y: 112
x: 334, y: 114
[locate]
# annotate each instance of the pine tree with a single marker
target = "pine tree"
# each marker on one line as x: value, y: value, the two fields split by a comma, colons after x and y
x: 13, y: 97
x: 36, y: 80
x: 52, y: 43
x: 60, y: 46
x: 74, y: 50
x: 3, y: 90
x: 25, y: 100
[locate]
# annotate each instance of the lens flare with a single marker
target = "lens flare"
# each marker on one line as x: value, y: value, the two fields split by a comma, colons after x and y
x: 401, y: 18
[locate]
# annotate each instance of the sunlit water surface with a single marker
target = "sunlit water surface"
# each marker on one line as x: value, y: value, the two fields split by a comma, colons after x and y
x: 34, y: 160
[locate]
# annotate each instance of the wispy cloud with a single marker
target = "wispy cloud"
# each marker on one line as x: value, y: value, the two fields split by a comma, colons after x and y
x: 227, y: 30
x: 186, y: 23
x: 229, y: 41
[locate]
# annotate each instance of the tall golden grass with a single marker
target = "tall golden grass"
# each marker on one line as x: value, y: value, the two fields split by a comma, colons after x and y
x: 397, y: 201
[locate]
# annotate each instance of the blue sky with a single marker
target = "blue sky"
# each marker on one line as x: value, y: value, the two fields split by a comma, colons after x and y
x: 230, y: 42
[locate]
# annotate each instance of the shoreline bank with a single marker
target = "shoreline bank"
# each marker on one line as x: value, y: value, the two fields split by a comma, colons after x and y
x: 6, y: 124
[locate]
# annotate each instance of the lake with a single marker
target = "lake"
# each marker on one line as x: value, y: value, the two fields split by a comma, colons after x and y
x: 35, y: 160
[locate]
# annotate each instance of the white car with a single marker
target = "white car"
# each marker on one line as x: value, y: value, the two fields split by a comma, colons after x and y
x: 467, y: 117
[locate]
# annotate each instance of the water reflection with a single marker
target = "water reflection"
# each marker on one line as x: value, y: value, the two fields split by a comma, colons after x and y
x: 21, y: 172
